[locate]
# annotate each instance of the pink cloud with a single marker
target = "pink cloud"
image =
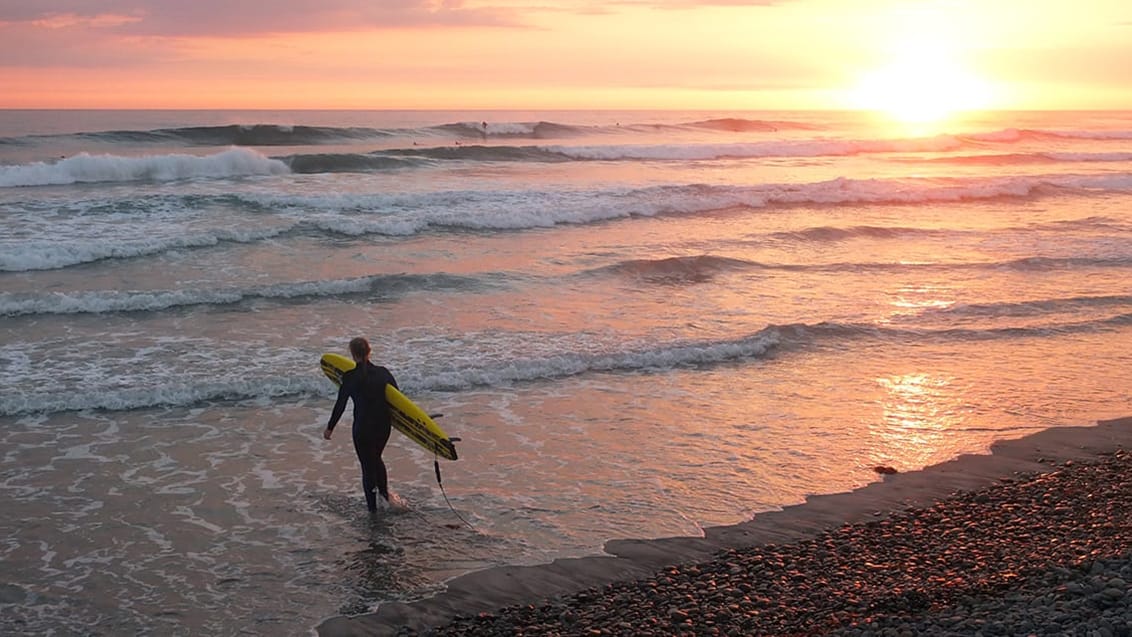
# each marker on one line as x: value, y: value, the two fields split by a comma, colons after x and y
x: 247, y: 17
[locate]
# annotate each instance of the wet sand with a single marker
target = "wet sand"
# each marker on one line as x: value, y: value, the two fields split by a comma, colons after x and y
x: 644, y: 561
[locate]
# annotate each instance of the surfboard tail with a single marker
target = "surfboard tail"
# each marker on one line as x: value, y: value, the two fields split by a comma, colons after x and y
x: 449, y: 448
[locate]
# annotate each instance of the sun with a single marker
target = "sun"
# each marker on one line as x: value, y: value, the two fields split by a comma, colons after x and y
x: 922, y: 84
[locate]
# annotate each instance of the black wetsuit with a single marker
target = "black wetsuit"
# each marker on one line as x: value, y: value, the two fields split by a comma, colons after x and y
x: 365, y: 385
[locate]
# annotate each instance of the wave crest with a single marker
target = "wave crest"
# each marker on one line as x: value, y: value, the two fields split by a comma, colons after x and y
x: 677, y: 270
x: 512, y: 130
x: 1011, y: 135
x: 86, y: 168
x: 104, y: 301
x: 740, y: 125
x: 241, y: 135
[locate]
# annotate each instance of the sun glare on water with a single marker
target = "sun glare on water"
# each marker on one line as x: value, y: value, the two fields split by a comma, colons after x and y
x: 921, y: 85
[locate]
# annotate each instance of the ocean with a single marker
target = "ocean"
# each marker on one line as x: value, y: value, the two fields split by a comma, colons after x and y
x: 639, y: 324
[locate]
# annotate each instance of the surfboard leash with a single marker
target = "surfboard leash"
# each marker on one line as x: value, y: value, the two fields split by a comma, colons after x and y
x: 440, y: 483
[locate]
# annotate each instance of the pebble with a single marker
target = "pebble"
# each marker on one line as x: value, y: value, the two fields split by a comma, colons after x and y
x: 1039, y: 554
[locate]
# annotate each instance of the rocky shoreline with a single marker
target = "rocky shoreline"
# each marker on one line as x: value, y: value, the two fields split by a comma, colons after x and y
x: 1047, y: 554
x: 1046, y: 551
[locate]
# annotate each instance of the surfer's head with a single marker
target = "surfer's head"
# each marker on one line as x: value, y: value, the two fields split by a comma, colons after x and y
x: 359, y: 349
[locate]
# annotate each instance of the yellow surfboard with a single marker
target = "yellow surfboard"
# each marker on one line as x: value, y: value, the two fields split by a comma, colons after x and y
x: 408, y: 418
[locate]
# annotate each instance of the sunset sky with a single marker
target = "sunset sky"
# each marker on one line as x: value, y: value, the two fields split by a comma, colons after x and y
x: 903, y: 55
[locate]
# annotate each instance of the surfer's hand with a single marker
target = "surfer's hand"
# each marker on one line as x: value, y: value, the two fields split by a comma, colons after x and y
x: 326, y: 433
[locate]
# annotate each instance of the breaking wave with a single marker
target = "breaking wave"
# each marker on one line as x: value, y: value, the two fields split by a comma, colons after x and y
x: 79, y: 237
x: 86, y: 168
x: 104, y: 301
x: 152, y: 383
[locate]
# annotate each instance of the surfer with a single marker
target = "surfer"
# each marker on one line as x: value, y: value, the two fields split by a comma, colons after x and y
x: 365, y: 385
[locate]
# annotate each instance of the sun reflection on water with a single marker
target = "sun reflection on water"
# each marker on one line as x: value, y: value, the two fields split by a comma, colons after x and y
x: 919, y: 411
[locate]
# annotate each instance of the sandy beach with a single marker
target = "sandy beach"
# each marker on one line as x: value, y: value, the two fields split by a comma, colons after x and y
x: 1040, y: 524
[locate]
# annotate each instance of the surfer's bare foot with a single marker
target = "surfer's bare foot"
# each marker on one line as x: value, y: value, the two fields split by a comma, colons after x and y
x: 395, y: 503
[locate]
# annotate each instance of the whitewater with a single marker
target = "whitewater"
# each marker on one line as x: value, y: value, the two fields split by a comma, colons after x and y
x: 640, y: 324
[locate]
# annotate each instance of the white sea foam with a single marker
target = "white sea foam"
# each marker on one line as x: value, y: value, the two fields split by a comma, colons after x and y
x: 88, y: 238
x: 553, y: 358
x: 86, y: 168
x: 154, y: 383
x: 141, y: 394
x: 16, y: 304
x: 399, y: 215
x: 499, y: 361
x: 508, y: 210
x: 24, y: 256
x: 192, y: 518
x: 82, y: 452
x: 505, y: 128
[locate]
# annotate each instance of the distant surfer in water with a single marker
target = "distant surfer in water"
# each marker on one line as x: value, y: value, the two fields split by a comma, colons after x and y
x: 365, y: 385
